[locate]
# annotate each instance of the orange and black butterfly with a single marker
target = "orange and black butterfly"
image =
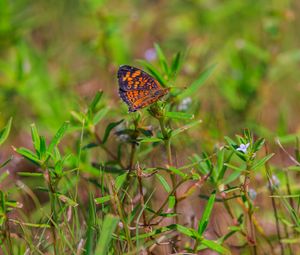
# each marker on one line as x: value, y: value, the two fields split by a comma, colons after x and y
x: 137, y: 88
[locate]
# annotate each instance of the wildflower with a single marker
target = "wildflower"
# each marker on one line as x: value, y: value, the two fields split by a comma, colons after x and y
x: 150, y: 54
x: 185, y: 104
x: 243, y: 147
x: 123, y: 138
x: 275, y: 180
x: 252, y: 194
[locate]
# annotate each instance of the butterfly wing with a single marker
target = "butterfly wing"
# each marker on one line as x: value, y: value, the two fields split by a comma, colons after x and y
x: 132, y: 78
x: 137, y: 88
x: 134, y: 98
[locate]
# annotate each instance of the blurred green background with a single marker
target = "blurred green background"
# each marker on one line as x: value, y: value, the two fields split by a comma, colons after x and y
x: 54, y: 56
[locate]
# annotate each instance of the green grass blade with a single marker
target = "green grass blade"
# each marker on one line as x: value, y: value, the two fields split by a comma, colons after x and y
x: 162, y: 59
x: 108, y: 129
x: 56, y: 139
x: 206, y: 214
x: 179, y: 115
x: 192, y: 89
x: 35, y: 138
x: 5, y: 131
x: 215, y: 246
x: 108, y: 228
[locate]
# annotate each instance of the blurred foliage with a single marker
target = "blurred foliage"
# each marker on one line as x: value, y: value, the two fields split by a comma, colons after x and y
x: 54, y: 52
x: 230, y: 65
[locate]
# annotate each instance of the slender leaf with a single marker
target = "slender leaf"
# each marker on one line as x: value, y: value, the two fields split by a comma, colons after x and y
x: 67, y: 200
x: 95, y: 101
x: 206, y: 214
x: 154, y: 72
x: 35, y: 138
x: 28, y: 154
x: 150, y: 140
x: 262, y: 161
x: 176, y: 63
x: 179, y: 115
x: 164, y: 183
x: 215, y: 246
x: 192, y: 89
x: 186, y: 127
x: 100, y: 115
x: 101, y: 200
x: 60, y: 133
x: 109, y: 225
x: 5, y: 131
x: 162, y: 59
x: 109, y: 128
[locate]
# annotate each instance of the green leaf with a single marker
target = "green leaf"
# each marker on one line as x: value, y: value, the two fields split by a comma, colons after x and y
x: 162, y: 59
x: 101, y: 200
x: 176, y: 63
x: 192, y: 89
x: 291, y: 240
x: 95, y: 101
x: 56, y: 139
x: 206, y: 214
x: 78, y: 116
x: 236, y: 168
x: 179, y: 115
x: 28, y: 174
x: 5, y: 131
x: 188, y: 232
x: 3, y: 176
x: 186, y: 127
x: 171, y: 202
x: 232, y: 177
x: 215, y: 246
x: 230, y: 142
x: 177, y: 171
x: 35, y: 138
x: 67, y: 200
x: 258, y: 144
x: 108, y: 228
x: 120, y: 180
x: 91, y: 227
x: 150, y: 140
x: 28, y: 154
x: 220, y: 164
x: 5, y: 162
x: 164, y: 183
x: 262, y: 161
x: 43, y: 147
x: 99, y: 115
x: 151, y: 69
x: 109, y: 128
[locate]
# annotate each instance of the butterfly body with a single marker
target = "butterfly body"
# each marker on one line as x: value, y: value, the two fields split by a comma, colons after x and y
x: 137, y: 88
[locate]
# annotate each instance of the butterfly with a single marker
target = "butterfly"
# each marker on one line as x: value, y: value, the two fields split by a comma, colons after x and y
x: 137, y: 88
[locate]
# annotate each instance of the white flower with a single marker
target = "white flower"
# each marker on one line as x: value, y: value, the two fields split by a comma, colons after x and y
x: 123, y: 138
x: 150, y: 54
x: 252, y: 194
x: 243, y: 147
x: 275, y: 181
x: 184, y: 104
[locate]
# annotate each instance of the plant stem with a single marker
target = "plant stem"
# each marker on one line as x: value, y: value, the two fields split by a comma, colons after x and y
x: 132, y: 156
x: 159, y: 211
x: 249, y: 208
x: 269, y: 174
x: 167, y: 141
x: 111, y: 154
x: 119, y: 208
x: 7, y: 234
x: 53, y: 217
x: 139, y: 176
